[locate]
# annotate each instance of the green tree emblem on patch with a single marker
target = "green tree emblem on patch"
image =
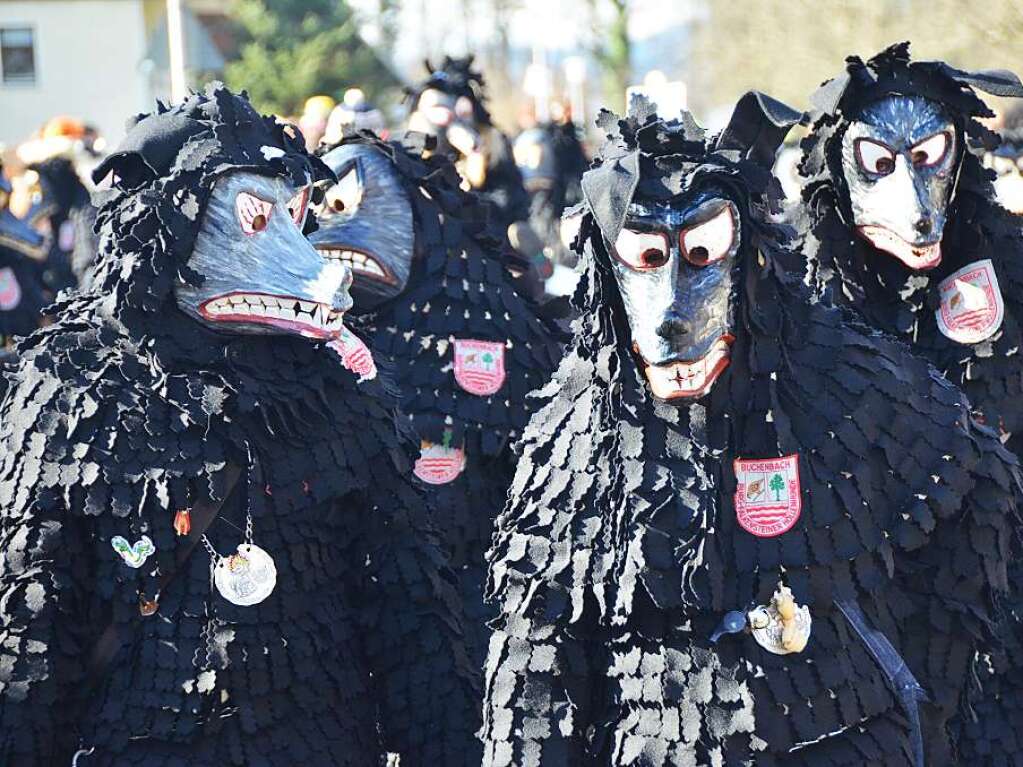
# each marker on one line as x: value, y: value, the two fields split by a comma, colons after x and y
x: 777, y: 484
x: 488, y: 358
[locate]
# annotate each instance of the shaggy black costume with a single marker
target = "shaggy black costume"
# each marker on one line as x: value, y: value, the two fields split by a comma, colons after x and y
x: 459, y: 287
x: 502, y: 185
x: 847, y: 270
x: 552, y: 162
x: 620, y: 552
x: 127, y: 411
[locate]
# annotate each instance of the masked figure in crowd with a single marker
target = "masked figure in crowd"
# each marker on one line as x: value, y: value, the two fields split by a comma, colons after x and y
x: 211, y: 551
x: 552, y: 162
x: 1006, y: 160
x: 900, y: 224
x: 449, y: 105
x: 354, y: 113
x: 313, y: 120
x: 736, y: 514
x: 58, y: 203
x: 435, y: 294
x: 21, y: 292
x: 61, y: 211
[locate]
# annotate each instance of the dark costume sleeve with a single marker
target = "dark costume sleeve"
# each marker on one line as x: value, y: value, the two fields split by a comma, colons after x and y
x: 427, y: 688
x: 41, y: 634
x: 539, y: 678
x: 955, y: 584
x: 503, y: 186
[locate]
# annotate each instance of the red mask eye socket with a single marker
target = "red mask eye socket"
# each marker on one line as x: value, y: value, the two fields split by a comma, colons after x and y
x: 298, y: 205
x: 710, y: 241
x: 931, y: 150
x: 642, y: 250
x: 875, y: 158
x: 253, y: 213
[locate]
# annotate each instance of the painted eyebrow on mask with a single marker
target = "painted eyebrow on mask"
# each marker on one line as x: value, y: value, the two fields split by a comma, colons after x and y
x: 901, y: 128
x: 657, y: 218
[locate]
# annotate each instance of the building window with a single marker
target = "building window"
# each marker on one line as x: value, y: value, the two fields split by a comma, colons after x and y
x: 17, y: 54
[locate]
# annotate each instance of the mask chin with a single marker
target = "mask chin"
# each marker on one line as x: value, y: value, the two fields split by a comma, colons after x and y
x: 916, y: 257
x: 689, y: 379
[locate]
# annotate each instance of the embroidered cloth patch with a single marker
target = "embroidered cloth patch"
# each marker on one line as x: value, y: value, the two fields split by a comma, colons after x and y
x: 479, y: 366
x: 437, y: 464
x: 355, y: 355
x: 768, y: 498
x: 971, y: 308
x: 136, y: 554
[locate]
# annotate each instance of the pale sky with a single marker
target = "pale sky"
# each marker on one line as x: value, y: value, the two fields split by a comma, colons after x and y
x: 558, y: 25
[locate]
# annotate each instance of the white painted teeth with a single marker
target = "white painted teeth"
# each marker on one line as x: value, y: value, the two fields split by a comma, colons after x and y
x: 360, y: 262
x: 272, y: 307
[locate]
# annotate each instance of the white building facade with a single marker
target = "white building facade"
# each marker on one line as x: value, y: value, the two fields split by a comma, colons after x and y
x: 83, y: 58
x: 100, y: 61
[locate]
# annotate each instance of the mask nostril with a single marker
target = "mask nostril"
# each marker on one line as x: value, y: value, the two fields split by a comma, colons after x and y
x: 672, y: 328
x: 923, y: 226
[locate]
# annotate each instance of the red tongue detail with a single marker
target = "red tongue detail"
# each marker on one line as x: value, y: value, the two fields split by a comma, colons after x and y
x: 355, y: 355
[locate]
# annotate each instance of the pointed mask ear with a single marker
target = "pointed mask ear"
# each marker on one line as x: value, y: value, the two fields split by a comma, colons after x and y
x: 758, y: 126
x: 997, y: 82
x: 608, y: 190
x: 827, y: 98
x: 149, y: 148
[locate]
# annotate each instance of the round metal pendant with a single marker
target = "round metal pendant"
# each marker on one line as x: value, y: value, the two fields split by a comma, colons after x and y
x: 246, y: 578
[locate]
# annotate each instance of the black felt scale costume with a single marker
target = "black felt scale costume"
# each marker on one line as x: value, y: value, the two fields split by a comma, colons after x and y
x: 620, y: 552
x: 128, y: 411
x: 845, y: 269
x: 459, y: 287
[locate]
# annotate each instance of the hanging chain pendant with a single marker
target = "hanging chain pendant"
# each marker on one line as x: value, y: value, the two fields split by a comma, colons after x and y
x: 246, y: 577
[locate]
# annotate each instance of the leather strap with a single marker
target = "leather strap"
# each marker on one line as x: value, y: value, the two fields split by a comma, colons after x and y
x: 202, y: 515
